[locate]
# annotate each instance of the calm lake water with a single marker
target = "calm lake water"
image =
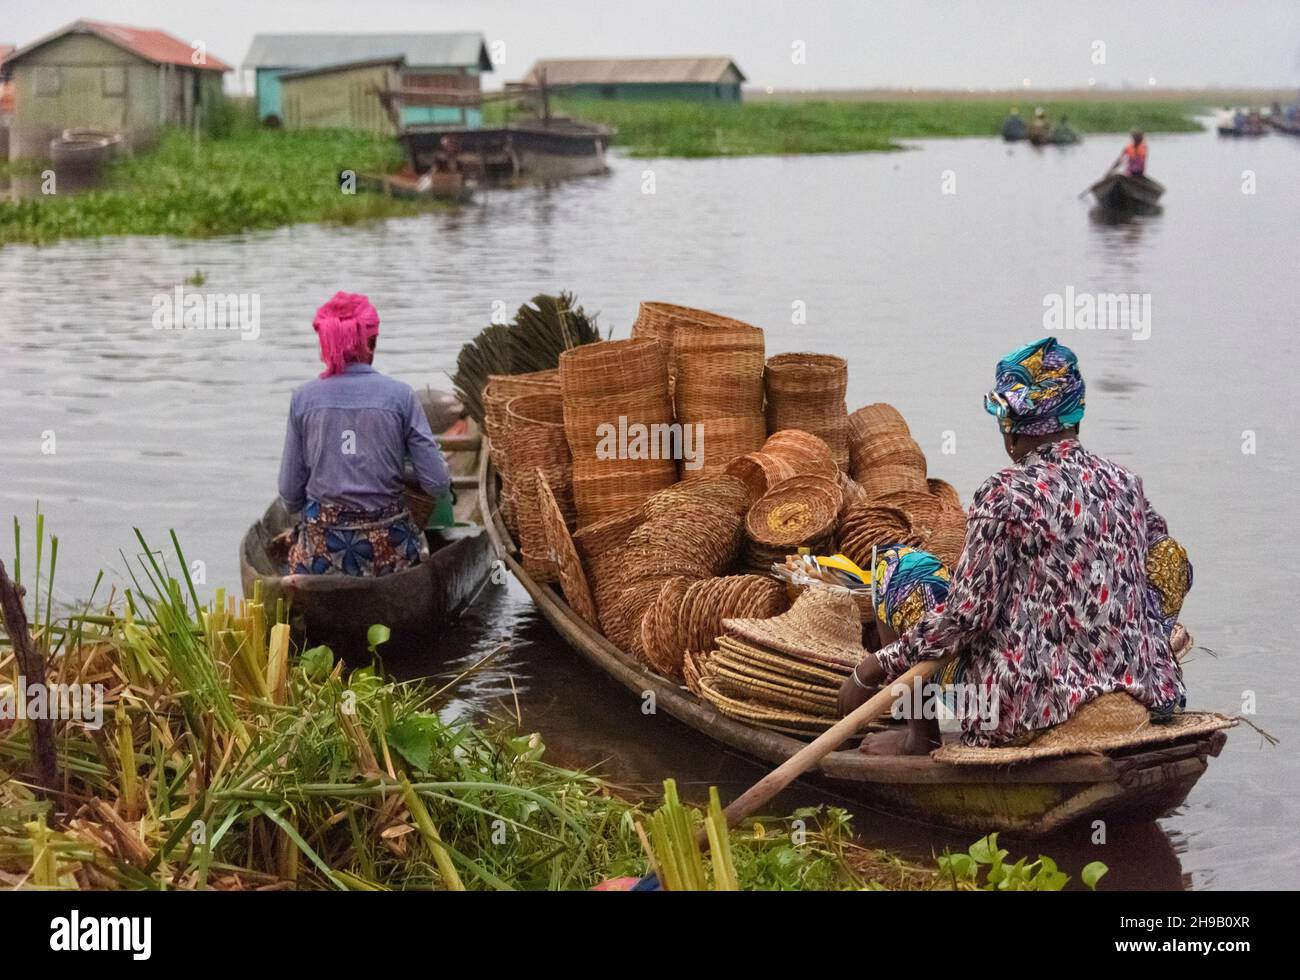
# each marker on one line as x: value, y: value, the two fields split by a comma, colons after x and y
x: 922, y: 290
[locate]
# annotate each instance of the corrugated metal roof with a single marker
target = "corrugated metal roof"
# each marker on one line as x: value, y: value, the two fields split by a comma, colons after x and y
x: 463, y: 50
x: 632, y: 71
x: 149, y: 43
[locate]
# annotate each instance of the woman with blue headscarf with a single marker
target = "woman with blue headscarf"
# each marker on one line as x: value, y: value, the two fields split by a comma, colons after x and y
x: 1069, y: 585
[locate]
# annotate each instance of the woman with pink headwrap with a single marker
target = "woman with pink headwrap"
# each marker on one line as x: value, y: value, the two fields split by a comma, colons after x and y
x: 349, y: 435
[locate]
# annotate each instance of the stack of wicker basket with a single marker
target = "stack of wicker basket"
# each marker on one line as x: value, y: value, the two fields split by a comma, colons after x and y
x: 806, y: 391
x: 612, y: 391
x: 537, y: 444
x: 660, y: 321
x: 498, y: 391
x: 719, y: 389
x: 885, y: 457
x: 788, y: 453
x: 902, y: 506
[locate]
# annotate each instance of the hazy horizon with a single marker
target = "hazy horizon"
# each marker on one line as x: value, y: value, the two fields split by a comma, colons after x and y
x: 918, y: 44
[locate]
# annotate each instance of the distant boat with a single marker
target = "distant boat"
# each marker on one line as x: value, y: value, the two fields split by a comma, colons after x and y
x: 1284, y: 125
x: 529, y: 149
x: 1122, y: 192
x: 1251, y: 125
x: 1057, y: 136
x: 83, y: 149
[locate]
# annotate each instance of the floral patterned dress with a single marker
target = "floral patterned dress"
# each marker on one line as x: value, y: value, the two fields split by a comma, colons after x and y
x: 1054, y: 601
x: 333, y: 540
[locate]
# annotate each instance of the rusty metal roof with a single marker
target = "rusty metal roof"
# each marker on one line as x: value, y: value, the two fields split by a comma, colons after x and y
x: 708, y: 70
x: 148, y: 43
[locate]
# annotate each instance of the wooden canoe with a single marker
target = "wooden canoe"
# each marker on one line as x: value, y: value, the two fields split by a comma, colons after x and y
x: 1120, y: 192
x: 1031, y: 798
x: 338, y: 610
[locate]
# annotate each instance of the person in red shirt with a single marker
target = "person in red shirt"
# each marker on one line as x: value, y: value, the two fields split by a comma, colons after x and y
x: 1134, y: 156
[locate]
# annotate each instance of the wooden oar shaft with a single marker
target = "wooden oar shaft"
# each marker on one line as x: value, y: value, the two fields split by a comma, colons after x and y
x: 761, y: 793
x: 458, y: 444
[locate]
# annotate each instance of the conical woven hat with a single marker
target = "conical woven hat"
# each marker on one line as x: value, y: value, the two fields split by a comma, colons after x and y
x: 823, y: 625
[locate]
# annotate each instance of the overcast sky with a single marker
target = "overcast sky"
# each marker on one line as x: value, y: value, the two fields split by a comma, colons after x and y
x: 847, y: 43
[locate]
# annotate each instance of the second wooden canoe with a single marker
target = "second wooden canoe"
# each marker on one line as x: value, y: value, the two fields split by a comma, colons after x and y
x: 1121, y: 192
x: 1032, y: 798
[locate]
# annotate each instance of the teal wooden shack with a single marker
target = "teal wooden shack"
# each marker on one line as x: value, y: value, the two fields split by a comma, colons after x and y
x: 132, y: 81
x: 711, y: 78
x: 441, y: 62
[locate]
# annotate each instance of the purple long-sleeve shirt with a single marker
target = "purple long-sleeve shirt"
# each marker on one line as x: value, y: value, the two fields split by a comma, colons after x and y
x: 348, y: 439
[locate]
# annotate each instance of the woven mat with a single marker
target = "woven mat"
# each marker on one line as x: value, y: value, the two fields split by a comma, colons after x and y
x: 1086, y: 740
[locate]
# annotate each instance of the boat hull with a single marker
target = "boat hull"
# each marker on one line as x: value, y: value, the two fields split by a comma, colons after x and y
x: 338, y: 610
x: 518, y: 151
x: 1030, y: 798
x: 415, y: 604
x: 1123, y: 193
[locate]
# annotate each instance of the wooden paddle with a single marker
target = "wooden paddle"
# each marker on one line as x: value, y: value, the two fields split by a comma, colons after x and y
x: 1088, y: 190
x: 762, y: 792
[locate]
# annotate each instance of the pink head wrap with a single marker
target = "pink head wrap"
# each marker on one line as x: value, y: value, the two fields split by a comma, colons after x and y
x: 344, y: 327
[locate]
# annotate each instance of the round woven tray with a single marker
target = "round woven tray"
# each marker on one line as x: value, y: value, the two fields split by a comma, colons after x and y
x: 795, y: 512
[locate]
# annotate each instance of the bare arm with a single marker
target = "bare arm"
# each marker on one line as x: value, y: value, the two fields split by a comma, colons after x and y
x: 977, y: 595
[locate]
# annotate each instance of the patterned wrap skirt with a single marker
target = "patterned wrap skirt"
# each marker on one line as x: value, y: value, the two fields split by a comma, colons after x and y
x: 333, y: 540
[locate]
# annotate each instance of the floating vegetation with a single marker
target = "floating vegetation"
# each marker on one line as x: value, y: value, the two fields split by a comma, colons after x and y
x: 250, y: 178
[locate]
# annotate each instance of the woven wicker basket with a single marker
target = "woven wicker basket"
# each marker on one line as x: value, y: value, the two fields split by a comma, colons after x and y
x: 537, y: 439
x: 498, y: 391
x: 623, y: 384
x: 659, y: 321
x: 759, y: 472
x: 593, y: 373
x: 880, y: 481
x: 806, y: 391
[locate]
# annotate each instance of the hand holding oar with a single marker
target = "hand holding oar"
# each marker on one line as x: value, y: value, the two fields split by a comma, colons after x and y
x: 806, y: 758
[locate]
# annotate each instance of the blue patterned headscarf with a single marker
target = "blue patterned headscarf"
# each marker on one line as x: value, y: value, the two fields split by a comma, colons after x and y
x: 1038, y: 390
x: 908, y: 583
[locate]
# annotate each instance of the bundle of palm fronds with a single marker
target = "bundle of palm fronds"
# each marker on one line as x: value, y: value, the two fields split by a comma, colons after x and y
x: 542, y: 329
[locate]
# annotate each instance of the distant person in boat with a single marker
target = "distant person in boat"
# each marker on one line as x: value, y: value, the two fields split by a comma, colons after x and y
x: 1063, y: 132
x: 1133, y: 156
x: 1013, y: 127
x: 1040, y: 129
x: 349, y: 435
x: 1069, y: 586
